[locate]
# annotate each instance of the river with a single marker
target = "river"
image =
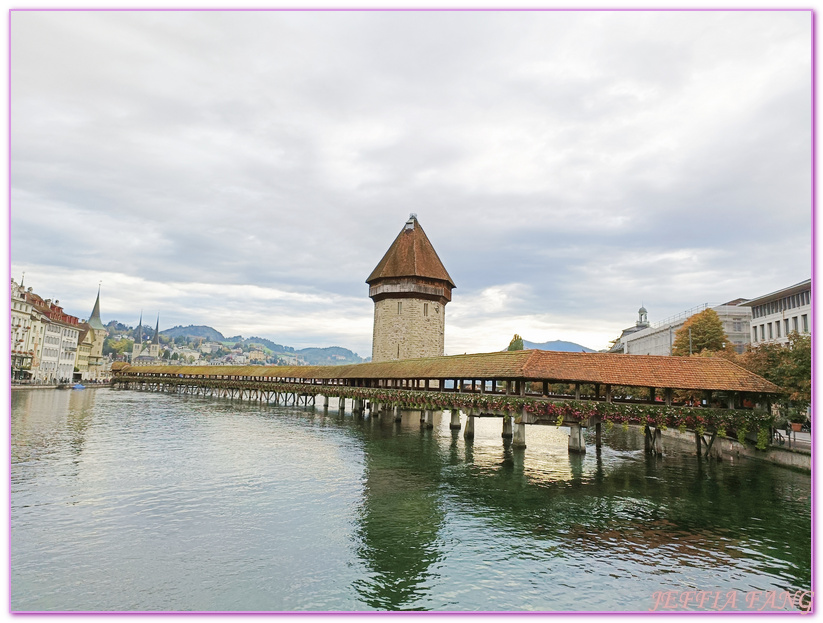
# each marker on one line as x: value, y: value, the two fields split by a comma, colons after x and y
x: 134, y: 501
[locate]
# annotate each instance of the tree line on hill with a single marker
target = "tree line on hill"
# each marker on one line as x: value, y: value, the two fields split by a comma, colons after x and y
x: 121, y: 339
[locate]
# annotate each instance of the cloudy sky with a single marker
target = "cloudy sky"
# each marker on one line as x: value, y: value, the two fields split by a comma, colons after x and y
x: 247, y: 170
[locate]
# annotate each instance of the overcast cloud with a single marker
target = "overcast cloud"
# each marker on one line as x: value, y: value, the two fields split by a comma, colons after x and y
x: 247, y: 170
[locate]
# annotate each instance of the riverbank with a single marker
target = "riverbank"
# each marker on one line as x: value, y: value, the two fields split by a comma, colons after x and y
x: 728, y: 449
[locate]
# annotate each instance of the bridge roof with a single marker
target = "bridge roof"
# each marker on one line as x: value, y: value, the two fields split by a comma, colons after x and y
x: 693, y: 373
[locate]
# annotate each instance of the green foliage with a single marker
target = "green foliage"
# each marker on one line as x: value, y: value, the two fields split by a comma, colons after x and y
x: 117, y: 347
x: 763, y: 438
x: 790, y: 368
x: 707, y: 335
x: 516, y: 343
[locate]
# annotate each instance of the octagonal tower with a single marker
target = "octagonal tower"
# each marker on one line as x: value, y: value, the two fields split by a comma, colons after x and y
x: 410, y: 288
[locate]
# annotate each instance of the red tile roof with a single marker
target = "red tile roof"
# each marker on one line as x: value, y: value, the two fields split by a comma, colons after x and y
x: 693, y: 373
x: 411, y: 255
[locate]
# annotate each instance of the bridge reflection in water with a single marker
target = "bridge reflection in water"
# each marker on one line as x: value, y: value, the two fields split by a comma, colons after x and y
x: 622, y: 507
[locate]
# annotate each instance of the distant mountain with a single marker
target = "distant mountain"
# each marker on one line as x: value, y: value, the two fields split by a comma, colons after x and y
x: 329, y: 356
x: 208, y: 333
x: 557, y: 345
x: 275, y: 348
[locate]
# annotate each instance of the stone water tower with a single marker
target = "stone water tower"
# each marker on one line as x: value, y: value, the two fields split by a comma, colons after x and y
x: 410, y: 288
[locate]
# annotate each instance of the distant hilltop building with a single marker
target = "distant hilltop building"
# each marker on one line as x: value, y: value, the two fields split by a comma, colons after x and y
x: 147, y: 354
x: 410, y: 288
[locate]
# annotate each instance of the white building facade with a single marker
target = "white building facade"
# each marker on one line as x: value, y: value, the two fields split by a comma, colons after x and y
x: 776, y: 315
x: 659, y: 338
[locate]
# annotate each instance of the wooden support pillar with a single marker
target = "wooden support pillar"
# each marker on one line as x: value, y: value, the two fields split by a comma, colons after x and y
x: 598, y: 439
x: 507, y: 427
x: 597, y: 390
x: 698, y: 439
x: 668, y: 394
x: 648, y: 439
x: 522, y: 387
x: 325, y: 403
x: 341, y: 405
x: 427, y: 384
x: 455, y: 420
x: 577, y: 391
x: 732, y: 397
x: 545, y: 388
x: 468, y: 432
x: 519, y: 436
x: 651, y: 394
x: 577, y: 443
x: 398, y: 415
x: 508, y: 387
x: 608, y: 393
x: 658, y: 442
x: 429, y: 418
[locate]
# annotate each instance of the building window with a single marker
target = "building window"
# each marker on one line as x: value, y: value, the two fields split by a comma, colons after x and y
x: 425, y: 309
x: 805, y: 323
x: 794, y: 323
x: 399, y: 309
x: 770, y: 331
x: 786, y: 326
x: 777, y: 328
x: 754, y: 334
x: 762, y: 332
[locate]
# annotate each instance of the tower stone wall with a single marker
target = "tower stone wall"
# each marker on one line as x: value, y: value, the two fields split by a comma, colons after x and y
x: 408, y: 328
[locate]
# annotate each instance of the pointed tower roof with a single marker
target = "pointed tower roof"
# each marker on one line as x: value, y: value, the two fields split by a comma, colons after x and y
x: 94, y: 319
x: 140, y: 329
x: 411, y: 255
x: 156, y: 338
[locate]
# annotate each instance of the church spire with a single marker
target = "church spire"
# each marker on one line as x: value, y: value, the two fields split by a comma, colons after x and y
x: 140, y: 329
x: 94, y: 319
x: 156, y: 339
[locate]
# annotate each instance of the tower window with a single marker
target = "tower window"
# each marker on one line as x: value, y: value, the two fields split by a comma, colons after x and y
x: 425, y: 309
x: 399, y: 306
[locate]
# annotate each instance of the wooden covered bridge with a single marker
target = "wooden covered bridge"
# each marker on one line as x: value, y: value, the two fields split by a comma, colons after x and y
x: 705, y: 394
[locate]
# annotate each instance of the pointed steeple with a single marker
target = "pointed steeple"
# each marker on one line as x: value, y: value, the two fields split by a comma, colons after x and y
x: 156, y: 339
x: 140, y: 329
x: 94, y: 319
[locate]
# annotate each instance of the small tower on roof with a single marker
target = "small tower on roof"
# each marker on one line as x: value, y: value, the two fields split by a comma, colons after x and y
x: 410, y: 288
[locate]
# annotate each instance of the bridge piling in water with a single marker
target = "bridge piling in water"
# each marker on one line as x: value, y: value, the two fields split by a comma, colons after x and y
x: 468, y: 432
x: 507, y: 427
x: 577, y: 443
x: 455, y: 420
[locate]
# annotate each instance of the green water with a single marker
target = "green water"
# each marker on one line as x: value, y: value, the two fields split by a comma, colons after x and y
x: 133, y: 501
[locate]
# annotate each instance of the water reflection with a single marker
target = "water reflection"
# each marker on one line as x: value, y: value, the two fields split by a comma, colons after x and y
x: 401, y: 516
x: 314, y: 510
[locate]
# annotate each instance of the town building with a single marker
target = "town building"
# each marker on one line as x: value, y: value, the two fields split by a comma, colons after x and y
x: 642, y: 323
x: 410, y: 289
x: 90, y: 364
x: 778, y: 314
x: 658, y: 339
x: 26, y: 334
x: 59, y: 334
